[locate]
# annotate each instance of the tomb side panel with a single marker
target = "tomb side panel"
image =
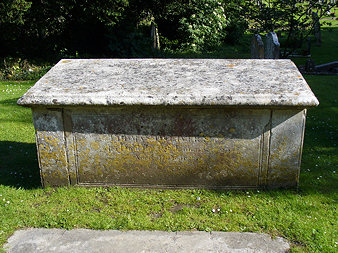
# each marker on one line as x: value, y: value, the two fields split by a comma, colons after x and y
x: 70, y: 146
x: 169, y: 146
x: 51, y: 148
x: 286, y: 143
x: 265, y: 152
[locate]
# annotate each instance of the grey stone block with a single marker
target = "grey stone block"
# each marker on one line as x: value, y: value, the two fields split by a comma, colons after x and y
x: 170, y: 123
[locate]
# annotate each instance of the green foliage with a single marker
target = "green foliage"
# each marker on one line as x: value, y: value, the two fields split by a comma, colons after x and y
x: 204, y: 27
x: 50, y: 27
x: 235, y: 30
x: 286, y: 15
x: 18, y: 69
x: 121, y: 28
x: 13, y: 11
x: 71, y: 28
x: 238, y: 24
x: 201, y: 25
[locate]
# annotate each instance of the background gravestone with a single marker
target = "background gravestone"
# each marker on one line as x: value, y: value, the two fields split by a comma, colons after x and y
x: 271, y: 46
x: 316, y: 28
x: 310, y: 65
x: 155, y: 37
x: 308, y: 46
x: 257, y: 47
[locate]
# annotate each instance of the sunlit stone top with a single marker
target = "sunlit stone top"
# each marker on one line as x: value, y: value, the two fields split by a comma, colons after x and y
x: 260, y: 83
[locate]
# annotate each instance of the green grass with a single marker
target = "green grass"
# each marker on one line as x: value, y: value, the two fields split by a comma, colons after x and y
x: 325, y: 53
x: 307, y: 217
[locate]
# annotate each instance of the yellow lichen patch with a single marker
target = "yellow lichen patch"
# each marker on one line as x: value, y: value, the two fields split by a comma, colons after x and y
x: 94, y: 145
x: 51, y: 150
x: 161, y: 160
x: 279, y: 151
x: 232, y: 130
x: 230, y: 66
x: 53, y: 159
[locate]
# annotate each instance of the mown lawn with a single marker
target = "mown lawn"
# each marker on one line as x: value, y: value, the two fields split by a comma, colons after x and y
x: 307, y: 217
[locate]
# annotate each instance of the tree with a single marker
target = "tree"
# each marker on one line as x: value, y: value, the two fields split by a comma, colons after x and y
x: 199, y: 24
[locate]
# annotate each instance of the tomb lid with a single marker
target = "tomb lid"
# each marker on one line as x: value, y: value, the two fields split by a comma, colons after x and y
x: 202, y: 82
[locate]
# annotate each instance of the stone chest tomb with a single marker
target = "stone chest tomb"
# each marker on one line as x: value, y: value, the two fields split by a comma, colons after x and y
x: 202, y: 123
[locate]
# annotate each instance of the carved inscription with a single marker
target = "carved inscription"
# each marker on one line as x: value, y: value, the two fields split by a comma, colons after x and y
x: 211, y: 147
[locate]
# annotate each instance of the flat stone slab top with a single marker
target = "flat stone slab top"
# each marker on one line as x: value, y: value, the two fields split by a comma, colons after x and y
x: 172, y: 82
x: 85, y: 240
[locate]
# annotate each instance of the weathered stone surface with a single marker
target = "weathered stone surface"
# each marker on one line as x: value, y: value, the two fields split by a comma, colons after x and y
x: 85, y: 240
x: 257, y: 47
x: 328, y: 67
x: 183, y: 147
x: 170, y: 147
x: 271, y: 46
x: 171, y: 82
x: 52, y: 153
x: 286, y: 143
x: 157, y: 143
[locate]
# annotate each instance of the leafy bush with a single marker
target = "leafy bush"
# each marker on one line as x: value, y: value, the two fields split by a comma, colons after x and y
x: 205, y: 27
x: 48, y: 27
x: 201, y: 25
x: 18, y: 69
x: 114, y: 28
x: 13, y: 11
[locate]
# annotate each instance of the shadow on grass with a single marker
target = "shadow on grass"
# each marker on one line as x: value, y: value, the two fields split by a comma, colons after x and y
x: 19, y: 166
x: 11, y: 101
x: 12, y: 111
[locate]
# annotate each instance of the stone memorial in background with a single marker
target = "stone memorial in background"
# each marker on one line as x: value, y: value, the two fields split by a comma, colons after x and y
x: 272, y: 46
x: 257, y: 47
x: 205, y: 123
x: 155, y: 37
x: 308, y: 46
x: 310, y: 65
x: 316, y: 28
